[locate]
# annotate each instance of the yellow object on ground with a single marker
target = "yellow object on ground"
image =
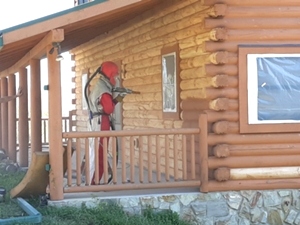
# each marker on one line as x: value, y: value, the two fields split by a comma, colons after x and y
x: 36, y: 179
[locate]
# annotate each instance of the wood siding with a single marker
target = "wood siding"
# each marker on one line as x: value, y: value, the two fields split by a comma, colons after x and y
x: 208, y: 34
x: 137, y: 44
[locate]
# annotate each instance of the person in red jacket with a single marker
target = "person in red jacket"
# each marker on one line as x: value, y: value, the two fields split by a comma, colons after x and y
x: 102, y: 105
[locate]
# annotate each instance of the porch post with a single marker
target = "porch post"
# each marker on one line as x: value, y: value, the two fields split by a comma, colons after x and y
x: 12, y: 118
x: 1, y: 145
x: 35, y: 106
x: 23, y: 119
x: 55, y: 127
x: 4, y: 117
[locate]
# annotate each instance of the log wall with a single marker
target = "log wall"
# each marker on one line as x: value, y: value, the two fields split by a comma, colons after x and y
x: 208, y: 33
x: 244, y: 23
x: 137, y: 44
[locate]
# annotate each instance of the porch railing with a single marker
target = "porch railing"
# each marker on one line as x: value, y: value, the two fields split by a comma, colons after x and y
x: 155, y: 158
x: 67, y: 124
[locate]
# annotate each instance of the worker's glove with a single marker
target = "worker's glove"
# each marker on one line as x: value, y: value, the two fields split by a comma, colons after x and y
x: 120, y: 97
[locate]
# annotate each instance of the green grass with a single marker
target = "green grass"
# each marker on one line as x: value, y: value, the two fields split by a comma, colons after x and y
x: 103, y: 214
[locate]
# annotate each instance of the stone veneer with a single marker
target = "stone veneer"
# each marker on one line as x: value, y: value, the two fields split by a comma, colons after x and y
x: 220, y: 208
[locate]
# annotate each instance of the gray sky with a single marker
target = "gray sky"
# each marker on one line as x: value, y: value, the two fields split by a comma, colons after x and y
x: 28, y: 10
x: 14, y: 12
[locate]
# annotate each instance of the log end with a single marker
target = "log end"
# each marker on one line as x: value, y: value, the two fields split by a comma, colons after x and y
x: 218, y: 34
x: 218, y: 10
x: 221, y: 151
x: 221, y: 127
x: 222, y: 174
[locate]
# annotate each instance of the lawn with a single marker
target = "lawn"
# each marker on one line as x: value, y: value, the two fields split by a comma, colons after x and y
x: 102, y: 214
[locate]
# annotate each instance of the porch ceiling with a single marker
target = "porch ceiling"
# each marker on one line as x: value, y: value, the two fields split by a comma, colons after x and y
x: 80, y: 24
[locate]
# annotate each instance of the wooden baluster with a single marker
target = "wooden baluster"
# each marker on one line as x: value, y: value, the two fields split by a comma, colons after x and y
x: 141, y: 159
x: 150, y: 159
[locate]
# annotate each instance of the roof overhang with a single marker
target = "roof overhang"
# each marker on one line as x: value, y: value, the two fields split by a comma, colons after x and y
x: 77, y: 25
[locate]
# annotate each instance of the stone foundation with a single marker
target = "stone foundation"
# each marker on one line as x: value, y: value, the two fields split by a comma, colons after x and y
x: 220, y: 208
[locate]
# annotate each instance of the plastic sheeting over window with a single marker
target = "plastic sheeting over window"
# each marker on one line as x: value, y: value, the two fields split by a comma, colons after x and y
x: 278, y: 88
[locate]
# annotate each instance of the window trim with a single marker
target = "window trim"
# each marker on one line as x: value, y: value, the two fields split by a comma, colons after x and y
x: 245, y: 127
x: 174, y: 49
x: 84, y: 74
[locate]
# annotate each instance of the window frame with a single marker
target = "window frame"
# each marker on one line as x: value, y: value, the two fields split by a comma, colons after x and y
x: 245, y: 127
x: 85, y: 75
x: 167, y: 51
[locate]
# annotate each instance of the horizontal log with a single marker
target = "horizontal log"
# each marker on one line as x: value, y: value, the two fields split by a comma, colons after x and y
x: 178, y: 124
x: 232, y: 46
x: 258, y: 150
x: 142, y: 106
x: 149, y: 123
x: 189, y: 115
x: 191, y: 52
x: 223, y: 104
x: 266, y: 11
x: 156, y: 60
x: 142, y: 55
x: 253, y: 139
x: 194, y: 40
x: 225, y: 127
x: 197, y: 83
x: 145, y: 97
x: 264, y: 173
x: 212, y: 70
x: 209, y: 93
x: 223, y: 115
x: 237, y: 185
x: 195, y: 72
x: 142, y: 114
x: 143, y: 72
x: 263, y: 34
x: 193, y: 94
x: 195, y: 61
x: 219, y: 104
x: 223, y: 57
x: 193, y: 115
x: 139, y: 81
x: 254, y: 161
x: 194, y: 105
x: 253, y: 23
x: 254, y: 3
x: 224, y: 81
x: 146, y: 88
x: 213, y: 93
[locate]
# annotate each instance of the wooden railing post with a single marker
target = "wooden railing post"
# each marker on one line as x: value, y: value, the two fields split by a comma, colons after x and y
x: 23, y: 128
x: 4, y: 119
x: 35, y: 106
x: 203, y: 145
x: 12, y: 126
x: 55, y: 127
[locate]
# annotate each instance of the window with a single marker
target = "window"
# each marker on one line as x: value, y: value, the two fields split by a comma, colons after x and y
x: 170, y: 82
x: 84, y: 79
x: 269, y: 85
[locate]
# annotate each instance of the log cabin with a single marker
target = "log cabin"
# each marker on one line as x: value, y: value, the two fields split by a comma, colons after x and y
x: 226, y: 120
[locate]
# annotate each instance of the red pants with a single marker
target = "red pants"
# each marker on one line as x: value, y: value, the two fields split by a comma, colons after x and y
x: 105, y: 125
